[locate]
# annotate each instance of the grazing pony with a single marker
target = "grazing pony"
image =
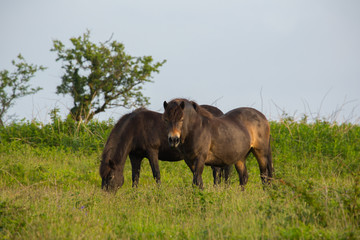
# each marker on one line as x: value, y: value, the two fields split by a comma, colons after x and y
x: 219, y: 141
x: 141, y: 134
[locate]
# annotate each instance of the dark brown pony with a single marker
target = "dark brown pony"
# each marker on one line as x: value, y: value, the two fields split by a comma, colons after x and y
x: 219, y: 141
x: 141, y: 134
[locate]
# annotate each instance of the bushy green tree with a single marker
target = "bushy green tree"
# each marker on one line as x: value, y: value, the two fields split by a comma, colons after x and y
x: 16, y: 84
x: 102, y: 76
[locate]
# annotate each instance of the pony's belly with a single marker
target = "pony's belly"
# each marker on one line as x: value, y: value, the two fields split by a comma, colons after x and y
x: 227, y: 157
x: 215, y: 162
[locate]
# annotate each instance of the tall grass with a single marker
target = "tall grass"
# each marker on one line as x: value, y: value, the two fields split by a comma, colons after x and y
x: 50, y: 188
x: 68, y: 134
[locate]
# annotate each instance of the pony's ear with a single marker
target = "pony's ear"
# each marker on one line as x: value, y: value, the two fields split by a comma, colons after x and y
x: 195, y: 106
x: 165, y: 104
x: 182, y: 105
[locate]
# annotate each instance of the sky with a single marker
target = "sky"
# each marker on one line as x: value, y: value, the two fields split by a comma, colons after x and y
x: 295, y: 57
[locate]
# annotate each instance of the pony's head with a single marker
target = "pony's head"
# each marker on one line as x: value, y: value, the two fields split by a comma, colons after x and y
x: 112, y: 179
x: 111, y: 175
x: 174, y: 119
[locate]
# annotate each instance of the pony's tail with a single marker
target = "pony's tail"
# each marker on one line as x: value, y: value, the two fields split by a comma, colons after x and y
x: 270, y: 166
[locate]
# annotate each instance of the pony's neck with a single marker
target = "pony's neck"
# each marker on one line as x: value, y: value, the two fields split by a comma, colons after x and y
x: 192, y: 123
x: 118, y: 149
x: 122, y: 151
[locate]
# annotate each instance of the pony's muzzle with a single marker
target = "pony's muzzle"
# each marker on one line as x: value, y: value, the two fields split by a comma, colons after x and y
x: 174, y: 141
x: 104, y: 185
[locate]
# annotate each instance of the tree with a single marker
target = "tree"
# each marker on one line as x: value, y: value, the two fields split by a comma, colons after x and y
x: 103, y: 76
x: 16, y: 84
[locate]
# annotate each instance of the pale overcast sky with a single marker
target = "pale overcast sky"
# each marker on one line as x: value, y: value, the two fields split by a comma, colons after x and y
x: 298, y: 56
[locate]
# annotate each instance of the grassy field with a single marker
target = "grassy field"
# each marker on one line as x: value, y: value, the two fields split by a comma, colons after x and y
x: 50, y: 189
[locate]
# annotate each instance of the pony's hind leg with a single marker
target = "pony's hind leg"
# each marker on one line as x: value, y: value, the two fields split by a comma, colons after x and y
x: 227, y: 170
x: 135, y: 167
x: 221, y: 172
x: 263, y: 157
x: 242, y: 171
x: 216, y: 175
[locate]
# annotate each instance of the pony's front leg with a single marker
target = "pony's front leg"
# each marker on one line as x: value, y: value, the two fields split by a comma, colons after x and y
x: 154, y: 163
x: 199, y: 168
x: 191, y: 165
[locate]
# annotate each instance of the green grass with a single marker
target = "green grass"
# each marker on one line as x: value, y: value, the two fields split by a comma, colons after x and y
x: 50, y: 189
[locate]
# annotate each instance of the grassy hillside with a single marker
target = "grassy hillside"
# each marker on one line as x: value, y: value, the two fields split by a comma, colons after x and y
x: 50, y: 189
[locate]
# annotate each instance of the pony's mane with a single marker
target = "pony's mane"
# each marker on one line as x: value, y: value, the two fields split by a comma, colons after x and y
x: 127, y: 115
x: 200, y: 110
x: 172, y: 109
x: 140, y: 109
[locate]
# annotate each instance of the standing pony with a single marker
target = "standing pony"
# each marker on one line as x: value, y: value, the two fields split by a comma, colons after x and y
x: 140, y: 134
x: 219, y: 141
